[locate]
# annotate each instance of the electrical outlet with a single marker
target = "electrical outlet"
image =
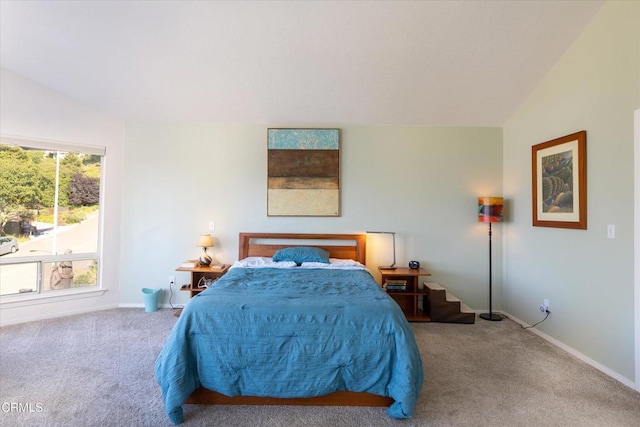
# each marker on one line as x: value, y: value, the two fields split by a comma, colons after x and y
x: 172, y: 280
x: 611, y: 231
x: 544, y: 307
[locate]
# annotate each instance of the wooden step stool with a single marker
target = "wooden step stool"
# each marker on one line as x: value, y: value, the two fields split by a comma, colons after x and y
x: 443, y: 306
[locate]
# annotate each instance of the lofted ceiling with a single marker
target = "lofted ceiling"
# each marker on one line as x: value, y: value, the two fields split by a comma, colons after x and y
x: 435, y: 63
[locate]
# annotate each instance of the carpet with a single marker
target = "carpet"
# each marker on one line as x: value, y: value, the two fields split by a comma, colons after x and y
x: 96, y: 369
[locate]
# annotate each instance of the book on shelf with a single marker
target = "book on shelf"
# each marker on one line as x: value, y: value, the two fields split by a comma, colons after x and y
x: 189, y: 264
x: 395, y: 285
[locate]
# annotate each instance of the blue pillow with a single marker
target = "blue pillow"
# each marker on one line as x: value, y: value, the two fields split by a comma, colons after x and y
x: 300, y: 254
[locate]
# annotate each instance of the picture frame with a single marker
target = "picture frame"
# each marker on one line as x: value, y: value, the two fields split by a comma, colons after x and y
x: 303, y: 172
x: 559, y: 182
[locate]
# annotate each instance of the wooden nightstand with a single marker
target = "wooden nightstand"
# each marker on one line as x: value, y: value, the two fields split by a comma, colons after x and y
x: 402, y: 285
x: 204, y: 273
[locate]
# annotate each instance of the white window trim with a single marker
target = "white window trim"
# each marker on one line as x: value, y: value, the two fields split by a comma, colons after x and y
x: 19, y: 300
x: 46, y: 144
x: 35, y: 298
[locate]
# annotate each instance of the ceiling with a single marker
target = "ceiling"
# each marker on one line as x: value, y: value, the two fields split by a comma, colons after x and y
x: 435, y: 63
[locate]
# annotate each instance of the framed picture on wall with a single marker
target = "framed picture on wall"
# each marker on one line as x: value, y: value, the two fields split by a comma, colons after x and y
x: 303, y: 172
x: 560, y: 182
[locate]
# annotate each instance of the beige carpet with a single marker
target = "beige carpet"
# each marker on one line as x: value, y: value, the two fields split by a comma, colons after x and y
x: 97, y: 370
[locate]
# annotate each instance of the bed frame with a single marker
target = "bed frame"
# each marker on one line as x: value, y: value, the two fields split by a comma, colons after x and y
x: 345, y: 246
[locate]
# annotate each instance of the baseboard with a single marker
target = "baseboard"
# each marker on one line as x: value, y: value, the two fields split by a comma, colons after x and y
x: 130, y: 305
x: 599, y: 366
x: 141, y: 305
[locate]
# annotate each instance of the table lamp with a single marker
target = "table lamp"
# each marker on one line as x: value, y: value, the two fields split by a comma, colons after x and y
x: 205, y: 241
x: 393, y: 265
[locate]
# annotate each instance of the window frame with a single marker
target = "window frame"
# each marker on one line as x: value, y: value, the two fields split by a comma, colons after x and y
x: 41, y: 260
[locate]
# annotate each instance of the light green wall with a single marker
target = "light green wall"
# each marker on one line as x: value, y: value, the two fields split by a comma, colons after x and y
x: 421, y: 182
x: 587, y: 277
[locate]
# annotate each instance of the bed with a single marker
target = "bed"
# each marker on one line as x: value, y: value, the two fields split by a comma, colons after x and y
x: 302, y: 333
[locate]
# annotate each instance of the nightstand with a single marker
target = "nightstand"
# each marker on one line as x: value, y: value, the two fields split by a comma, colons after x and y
x: 201, y: 274
x: 401, y: 284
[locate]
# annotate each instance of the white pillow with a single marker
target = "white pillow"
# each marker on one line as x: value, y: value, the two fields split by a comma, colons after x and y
x: 335, y: 264
x: 262, y: 262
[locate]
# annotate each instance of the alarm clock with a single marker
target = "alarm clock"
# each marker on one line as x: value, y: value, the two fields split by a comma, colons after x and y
x: 414, y: 265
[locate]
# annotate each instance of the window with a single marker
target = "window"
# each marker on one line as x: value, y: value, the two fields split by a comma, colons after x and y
x: 50, y: 195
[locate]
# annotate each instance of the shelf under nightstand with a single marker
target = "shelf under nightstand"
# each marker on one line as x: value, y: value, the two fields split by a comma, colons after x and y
x: 409, y: 298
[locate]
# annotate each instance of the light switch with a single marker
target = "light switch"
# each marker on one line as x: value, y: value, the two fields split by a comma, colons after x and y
x: 611, y: 231
x: 212, y: 225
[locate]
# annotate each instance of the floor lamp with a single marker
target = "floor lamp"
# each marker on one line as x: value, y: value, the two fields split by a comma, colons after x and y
x: 490, y: 210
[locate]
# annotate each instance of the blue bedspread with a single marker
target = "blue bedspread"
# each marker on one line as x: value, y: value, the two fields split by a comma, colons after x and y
x: 291, y: 333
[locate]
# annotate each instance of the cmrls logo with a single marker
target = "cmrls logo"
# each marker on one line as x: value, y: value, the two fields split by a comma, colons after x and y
x: 21, y: 407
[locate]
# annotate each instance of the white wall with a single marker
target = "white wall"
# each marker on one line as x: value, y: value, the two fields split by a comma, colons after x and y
x: 587, y: 277
x: 421, y: 182
x: 30, y: 110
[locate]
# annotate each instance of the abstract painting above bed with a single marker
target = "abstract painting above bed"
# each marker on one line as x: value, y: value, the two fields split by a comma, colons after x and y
x: 303, y: 172
x: 291, y: 332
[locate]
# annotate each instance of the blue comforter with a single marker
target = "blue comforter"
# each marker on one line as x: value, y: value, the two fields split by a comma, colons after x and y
x: 291, y: 333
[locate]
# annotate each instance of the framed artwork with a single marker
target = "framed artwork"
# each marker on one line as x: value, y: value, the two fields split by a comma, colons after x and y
x: 303, y: 172
x: 560, y: 182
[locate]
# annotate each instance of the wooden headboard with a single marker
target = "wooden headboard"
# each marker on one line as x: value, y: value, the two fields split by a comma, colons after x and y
x: 345, y: 246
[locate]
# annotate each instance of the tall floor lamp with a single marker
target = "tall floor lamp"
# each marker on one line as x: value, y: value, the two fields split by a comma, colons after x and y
x: 490, y: 210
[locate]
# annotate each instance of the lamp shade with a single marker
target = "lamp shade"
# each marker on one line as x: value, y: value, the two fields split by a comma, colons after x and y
x: 393, y: 234
x: 490, y: 209
x: 205, y: 241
